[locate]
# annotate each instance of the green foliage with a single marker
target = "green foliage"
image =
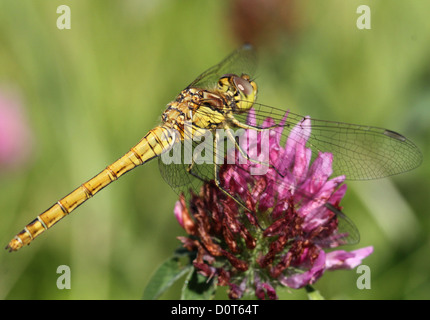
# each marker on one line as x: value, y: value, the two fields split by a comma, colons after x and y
x: 194, y: 287
x: 166, y: 275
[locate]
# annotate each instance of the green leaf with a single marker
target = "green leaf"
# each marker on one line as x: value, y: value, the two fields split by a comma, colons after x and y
x: 197, y: 287
x: 167, y: 274
x: 313, y: 294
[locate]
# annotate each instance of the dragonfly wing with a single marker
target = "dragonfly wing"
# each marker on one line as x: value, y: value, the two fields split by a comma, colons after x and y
x: 347, y: 232
x: 241, y: 61
x: 188, y: 165
x: 359, y: 152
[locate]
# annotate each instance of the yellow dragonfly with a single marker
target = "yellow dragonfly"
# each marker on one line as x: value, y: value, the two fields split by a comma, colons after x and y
x: 220, y: 98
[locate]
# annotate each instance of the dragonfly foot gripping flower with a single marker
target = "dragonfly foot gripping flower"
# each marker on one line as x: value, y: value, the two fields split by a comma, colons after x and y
x: 297, y: 217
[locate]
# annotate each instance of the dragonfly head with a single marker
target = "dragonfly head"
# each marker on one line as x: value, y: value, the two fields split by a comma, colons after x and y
x: 242, y: 89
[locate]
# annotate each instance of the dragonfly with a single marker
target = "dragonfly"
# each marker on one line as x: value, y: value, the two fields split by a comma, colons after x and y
x: 221, y: 98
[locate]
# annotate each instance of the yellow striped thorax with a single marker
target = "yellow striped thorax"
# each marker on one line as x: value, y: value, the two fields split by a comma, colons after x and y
x: 209, y: 109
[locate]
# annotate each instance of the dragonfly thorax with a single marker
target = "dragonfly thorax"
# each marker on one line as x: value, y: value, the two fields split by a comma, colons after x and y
x: 198, y: 109
x: 206, y: 109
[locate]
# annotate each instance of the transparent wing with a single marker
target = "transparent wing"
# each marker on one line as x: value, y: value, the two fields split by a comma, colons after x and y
x: 179, y: 174
x: 359, y: 152
x: 240, y: 61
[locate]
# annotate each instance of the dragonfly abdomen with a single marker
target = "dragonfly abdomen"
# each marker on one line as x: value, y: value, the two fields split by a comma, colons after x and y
x: 157, y: 141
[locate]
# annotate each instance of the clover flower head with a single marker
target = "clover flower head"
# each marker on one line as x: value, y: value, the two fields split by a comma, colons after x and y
x: 294, y: 217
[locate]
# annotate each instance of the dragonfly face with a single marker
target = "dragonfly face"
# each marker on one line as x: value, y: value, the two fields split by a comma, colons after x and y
x: 242, y: 90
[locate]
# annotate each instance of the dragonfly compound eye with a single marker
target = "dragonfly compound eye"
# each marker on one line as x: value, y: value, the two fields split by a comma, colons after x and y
x: 243, y: 85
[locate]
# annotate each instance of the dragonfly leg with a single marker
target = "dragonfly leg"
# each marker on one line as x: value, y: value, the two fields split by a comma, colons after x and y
x: 242, y: 152
x: 219, y: 186
x: 190, y: 171
x: 248, y: 126
x: 190, y: 168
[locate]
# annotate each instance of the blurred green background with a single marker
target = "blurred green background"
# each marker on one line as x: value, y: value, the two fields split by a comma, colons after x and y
x: 90, y: 93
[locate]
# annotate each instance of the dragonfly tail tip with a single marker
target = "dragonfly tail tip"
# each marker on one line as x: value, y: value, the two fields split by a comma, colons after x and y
x: 14, y: 245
